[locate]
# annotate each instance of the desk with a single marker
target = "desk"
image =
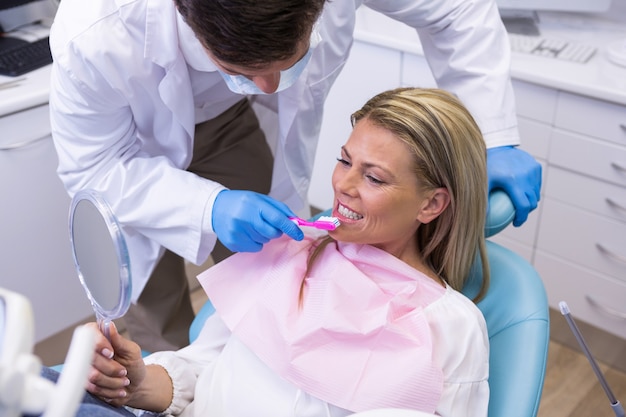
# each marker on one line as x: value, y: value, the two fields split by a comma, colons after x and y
x: 572, y: 118
x: 35, y: 259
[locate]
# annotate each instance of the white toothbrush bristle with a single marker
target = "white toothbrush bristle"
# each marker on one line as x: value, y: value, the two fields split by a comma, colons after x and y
x: 329, y: 219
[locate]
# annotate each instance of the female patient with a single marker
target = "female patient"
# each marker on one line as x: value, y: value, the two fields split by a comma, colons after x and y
x: 368, y: 316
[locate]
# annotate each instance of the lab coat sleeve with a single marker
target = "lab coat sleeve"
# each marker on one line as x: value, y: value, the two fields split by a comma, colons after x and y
x: 467, y: 49
x: 152, y: 195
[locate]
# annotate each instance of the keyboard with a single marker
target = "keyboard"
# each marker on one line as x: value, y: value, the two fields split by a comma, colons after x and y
x: 25, y: 57
x: 552, y: 48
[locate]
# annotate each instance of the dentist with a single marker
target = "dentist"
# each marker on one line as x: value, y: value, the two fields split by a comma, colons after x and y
x: 151, y: 106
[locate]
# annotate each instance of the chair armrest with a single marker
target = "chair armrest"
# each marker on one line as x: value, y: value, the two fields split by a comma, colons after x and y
x: 520, y: 350
x: 517, y: 315
x: 204, y: 313
x: 500, y: 212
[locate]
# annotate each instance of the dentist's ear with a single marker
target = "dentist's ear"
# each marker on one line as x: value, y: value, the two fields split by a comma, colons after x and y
x: 433, y: 205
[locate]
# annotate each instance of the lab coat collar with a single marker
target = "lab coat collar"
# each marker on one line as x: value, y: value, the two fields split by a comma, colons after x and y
x: 159, y: 46
x: 163, y: 49
x: 192, y: 49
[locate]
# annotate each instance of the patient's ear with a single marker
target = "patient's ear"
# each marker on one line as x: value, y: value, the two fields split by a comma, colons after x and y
x: 434, y: 205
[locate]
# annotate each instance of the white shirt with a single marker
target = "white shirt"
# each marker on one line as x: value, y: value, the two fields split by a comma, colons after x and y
x: 217, y: 375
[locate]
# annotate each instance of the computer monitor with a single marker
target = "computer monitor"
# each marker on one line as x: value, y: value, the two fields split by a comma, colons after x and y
x: 17, y: 13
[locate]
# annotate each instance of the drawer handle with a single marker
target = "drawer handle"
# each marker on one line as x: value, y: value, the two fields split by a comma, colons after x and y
x: 618, y: 167
x: 623, y: 126
x: 23, y: 144
x: 615, y: 204
x: 610, y: 254
x: 604, y: 309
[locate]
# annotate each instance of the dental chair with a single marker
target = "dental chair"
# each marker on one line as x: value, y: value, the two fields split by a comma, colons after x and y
x: 22, y: 389
x: 516, y: 311
x: 517, y: 315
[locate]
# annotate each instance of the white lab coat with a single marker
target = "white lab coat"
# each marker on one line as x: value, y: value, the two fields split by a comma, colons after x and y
x: 124, y: 107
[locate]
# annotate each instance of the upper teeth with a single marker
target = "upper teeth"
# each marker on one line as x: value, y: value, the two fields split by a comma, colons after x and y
x: 346, y: 212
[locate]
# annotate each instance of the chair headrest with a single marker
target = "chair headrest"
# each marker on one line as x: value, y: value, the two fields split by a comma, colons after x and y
x: 500, y: 213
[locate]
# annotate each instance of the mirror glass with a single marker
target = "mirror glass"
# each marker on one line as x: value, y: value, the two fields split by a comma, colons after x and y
x: 100, y: 256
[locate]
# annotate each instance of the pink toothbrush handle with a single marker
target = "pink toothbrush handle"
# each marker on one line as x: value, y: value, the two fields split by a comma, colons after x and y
x: 317, y: 224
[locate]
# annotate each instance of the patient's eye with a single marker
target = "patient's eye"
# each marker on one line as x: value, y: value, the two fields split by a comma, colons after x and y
x: 343, y: 162
x: 374, y: 180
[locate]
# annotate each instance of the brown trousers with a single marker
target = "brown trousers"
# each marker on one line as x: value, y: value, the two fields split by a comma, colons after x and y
x: 230, y: 149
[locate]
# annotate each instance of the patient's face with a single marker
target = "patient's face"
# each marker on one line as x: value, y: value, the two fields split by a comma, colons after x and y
x: 377, y: 197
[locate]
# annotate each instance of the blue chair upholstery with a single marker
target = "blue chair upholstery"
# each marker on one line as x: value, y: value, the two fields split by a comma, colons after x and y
x: 517, y: 316
x: 516, y: 311
x: 518, y: 321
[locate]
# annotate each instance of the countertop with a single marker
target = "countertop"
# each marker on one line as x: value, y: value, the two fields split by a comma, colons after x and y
x: 599, y: 77
x: 24, y: 92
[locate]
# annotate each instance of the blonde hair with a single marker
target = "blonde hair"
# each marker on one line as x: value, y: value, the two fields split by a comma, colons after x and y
x: 449, y: 151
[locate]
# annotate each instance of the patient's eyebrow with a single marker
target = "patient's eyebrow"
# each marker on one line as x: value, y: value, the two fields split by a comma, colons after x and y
x: 370, y: 164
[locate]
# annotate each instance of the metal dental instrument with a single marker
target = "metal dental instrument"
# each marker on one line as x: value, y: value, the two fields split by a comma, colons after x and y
x: 615, y: 404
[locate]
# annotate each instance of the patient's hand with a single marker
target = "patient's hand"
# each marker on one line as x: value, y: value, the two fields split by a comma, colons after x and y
x: 117, y: 369
x: 120, y: 377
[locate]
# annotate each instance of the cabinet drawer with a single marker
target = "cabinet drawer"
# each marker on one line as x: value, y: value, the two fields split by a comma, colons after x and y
x: 535, y: 102
x: 583, y: 238
x: 592, y: 117
x: 535, y: 137
x: 592, y: 157
x: 592, y: 297
x: 580, y: 191
x: 22, y: 128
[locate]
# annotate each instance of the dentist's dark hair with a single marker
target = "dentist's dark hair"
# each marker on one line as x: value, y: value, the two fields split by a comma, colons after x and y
x: 251, y: 33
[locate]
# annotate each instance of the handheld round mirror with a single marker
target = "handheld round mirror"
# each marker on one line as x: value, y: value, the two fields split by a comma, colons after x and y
x: 100, y: 256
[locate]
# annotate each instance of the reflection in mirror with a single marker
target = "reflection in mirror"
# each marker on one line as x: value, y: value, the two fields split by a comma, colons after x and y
x: 100, y: 256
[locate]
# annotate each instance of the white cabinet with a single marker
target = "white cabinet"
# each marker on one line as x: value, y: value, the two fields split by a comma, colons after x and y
x: 416, y: 72
x: 35, y: 255
x: 576, y: 239
x: 581, y: 245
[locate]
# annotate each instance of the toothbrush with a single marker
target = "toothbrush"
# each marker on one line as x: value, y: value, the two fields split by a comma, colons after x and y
x: 323, y: 223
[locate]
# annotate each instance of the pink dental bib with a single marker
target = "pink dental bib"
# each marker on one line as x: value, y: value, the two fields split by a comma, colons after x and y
x: 359, y: 339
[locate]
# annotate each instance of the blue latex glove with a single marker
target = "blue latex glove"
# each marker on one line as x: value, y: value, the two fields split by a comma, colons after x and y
x: 244, y: 220
x: 519, y: 175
